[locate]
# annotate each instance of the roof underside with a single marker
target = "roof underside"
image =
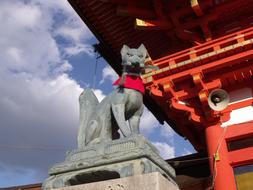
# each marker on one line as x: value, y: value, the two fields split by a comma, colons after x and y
x: 163, y: 26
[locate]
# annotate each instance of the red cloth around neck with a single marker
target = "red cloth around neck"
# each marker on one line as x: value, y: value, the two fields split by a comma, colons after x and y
x: 132, y: 82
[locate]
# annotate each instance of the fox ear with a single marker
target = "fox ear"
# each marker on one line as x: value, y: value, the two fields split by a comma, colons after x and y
x: 124, y: 50
x: 142, y: 49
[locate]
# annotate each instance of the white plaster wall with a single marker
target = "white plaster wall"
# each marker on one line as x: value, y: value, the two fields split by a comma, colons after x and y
x: 243, y: 114
x: 240, y: 95
x: 240, y: 116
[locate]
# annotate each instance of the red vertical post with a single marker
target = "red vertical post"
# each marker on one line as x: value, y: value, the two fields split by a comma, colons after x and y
x: 223, y: 172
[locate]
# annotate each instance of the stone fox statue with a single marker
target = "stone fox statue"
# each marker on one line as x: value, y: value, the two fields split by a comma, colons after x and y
x: 99, y: 121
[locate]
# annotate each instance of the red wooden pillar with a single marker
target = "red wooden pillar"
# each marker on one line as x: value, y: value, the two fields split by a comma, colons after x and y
x: 223, y: 172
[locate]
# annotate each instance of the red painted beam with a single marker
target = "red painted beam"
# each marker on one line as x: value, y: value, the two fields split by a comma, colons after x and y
x: 239, y: 131
x: 221, y: 63
x: 234, y: 45
x: 241, y: 157
x: 207, y: 45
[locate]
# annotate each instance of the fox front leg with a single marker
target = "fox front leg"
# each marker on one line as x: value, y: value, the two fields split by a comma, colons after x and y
x: 118, y: 109
x: 134, y: 121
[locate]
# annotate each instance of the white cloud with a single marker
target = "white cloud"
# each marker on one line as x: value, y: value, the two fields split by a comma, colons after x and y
x: 64, y: 67
x: 15, y: 54
x: 148, y: 122
x: 37, y: 113
x: 75, y: 34
x: 167, y: 131
x: 79, y: 48
x: 186, y: 152
x: 108, y: 74
x: 99, y: 94
x: 72, y: 28
x: 20, y: 16
x: 21, y: 50
x: 56, y: 5
x: 166, y: 151
x: 38, y: 100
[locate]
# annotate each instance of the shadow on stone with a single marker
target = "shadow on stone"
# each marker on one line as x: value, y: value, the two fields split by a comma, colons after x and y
x: 95, y: 176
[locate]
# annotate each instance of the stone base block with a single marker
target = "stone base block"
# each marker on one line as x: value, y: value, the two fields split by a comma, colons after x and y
x: 106, y: 161
x: 151, y: 181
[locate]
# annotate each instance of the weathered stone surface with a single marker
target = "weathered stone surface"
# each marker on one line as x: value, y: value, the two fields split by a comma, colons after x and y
x: 100, y: 121
x: 151, y: 181
x: 119, y: 158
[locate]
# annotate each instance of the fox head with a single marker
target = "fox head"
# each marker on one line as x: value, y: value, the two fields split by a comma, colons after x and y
x: 134, y: 58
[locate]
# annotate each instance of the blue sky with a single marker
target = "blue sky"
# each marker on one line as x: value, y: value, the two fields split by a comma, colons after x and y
x: 46, y: 59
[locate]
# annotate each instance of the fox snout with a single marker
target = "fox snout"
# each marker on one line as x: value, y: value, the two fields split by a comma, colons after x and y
x: 136, y: 64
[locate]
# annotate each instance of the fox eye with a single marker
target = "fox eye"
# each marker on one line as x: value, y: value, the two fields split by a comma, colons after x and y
x: 140, y: 56
x: 129, y: 54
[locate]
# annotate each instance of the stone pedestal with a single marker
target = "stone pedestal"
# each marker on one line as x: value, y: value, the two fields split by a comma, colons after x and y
x: 109, y: 160
x: 151, y: 181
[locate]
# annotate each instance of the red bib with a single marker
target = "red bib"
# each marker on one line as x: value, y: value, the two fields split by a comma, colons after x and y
x: 132, y: 82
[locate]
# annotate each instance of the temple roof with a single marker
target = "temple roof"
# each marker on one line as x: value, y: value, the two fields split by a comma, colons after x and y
x: 163, y: 26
